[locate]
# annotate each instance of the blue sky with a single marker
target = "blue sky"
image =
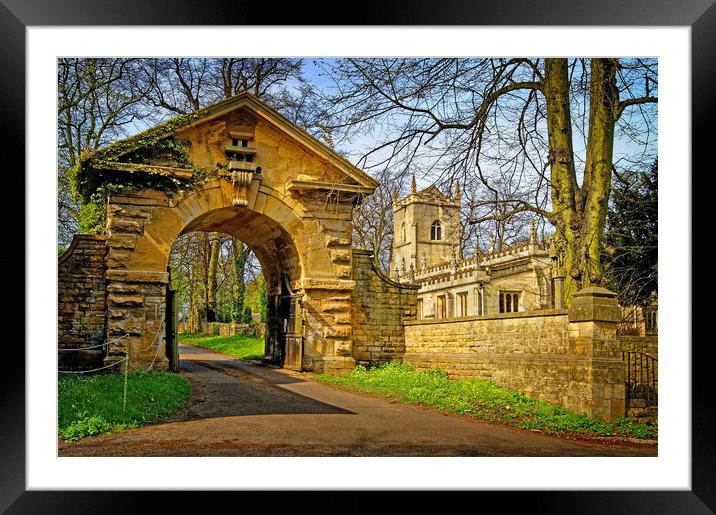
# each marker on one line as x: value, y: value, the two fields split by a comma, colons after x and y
x: 361, y: 144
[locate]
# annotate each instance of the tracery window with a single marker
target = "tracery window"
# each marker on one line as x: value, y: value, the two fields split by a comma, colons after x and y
x: 436, y: 231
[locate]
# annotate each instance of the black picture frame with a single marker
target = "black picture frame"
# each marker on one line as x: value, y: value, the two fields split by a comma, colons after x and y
x: 700, y: 15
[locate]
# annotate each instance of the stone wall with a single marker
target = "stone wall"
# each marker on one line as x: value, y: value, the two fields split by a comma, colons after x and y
x: 565, y: 357
x: 255, y: 330
x: 379, y: 307
x: 81, y: 303
x: 646, y: 344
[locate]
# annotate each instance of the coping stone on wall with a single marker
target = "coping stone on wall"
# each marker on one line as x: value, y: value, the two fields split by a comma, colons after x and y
x: 594, y: 304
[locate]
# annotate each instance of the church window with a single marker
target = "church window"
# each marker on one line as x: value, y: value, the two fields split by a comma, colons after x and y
x: 462, y: 303
x: 436, y: 231
x: 442, y: 307
x: 509, y: 302
x: 402, y: 232
x: 651, y: 320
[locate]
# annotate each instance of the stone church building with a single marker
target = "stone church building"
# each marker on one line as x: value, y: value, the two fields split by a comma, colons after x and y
x: 426, y: 252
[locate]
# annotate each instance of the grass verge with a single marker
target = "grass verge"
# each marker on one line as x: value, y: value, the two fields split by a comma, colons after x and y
x: 481, y: 399
x: 239, y: 346
x: 94, y: 405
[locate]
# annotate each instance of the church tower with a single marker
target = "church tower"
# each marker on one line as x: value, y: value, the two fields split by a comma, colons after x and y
x: 426, y: 230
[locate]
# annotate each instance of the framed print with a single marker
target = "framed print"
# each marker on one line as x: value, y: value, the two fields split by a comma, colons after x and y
x: 32, y: 32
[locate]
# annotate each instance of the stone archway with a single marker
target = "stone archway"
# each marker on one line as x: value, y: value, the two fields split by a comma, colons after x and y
x: 265, y: 181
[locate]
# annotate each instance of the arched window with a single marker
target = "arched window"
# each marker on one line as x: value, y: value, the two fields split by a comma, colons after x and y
x: 402, y: 232
x: 436, y: 231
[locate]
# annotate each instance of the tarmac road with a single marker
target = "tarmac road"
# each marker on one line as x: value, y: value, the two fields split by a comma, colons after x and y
x: 242, y: 409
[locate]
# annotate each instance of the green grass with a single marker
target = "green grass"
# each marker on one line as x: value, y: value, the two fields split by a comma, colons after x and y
x: 93, y: 405
x: 239, y: 346
x: 481, y: 399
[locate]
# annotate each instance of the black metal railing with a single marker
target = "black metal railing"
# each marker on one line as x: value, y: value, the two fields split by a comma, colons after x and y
x: 642, y: 381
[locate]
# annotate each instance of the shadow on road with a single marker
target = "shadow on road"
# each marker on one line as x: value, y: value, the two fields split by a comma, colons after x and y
x: 223, y: 387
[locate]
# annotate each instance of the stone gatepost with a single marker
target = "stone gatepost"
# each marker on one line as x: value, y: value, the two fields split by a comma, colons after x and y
x: 326, y: 325
x: 136, y: 306
x: 593, y: 317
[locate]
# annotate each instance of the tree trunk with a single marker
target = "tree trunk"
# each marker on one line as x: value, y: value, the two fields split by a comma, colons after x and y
x: 191, y: 316
x: 580, y: 213
x: 565, y: 191
x: 211, y: 284
x: 603, y: 109
x: 240, y: 257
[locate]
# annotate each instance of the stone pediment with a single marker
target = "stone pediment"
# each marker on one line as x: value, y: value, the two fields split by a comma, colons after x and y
x: 238, y: 136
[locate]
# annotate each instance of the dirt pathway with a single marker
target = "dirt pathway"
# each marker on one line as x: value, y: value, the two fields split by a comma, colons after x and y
x: 240, y: 409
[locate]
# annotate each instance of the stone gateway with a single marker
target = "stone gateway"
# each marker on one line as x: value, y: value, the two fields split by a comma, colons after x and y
x: 256, y: 177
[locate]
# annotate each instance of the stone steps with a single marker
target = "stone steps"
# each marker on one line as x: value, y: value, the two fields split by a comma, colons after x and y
x: 642, y: 414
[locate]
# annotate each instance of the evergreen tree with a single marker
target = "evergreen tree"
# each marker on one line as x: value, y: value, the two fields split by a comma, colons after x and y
x: 631, y: 251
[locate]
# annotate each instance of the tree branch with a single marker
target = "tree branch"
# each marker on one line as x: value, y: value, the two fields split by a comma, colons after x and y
x: 521, y: 208
x: 634, y: 101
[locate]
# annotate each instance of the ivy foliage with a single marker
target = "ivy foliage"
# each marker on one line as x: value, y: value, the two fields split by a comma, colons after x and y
x: 91, y: 184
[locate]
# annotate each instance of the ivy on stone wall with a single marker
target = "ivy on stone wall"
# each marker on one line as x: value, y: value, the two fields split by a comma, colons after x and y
x: 157, y: 147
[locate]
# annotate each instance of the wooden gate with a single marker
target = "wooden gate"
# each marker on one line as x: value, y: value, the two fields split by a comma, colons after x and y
x: 170, y: 323
x: 294, y: 336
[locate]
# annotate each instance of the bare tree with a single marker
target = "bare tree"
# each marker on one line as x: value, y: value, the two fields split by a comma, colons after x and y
x: 98, y: 100
x: 537, y: 135
x: 373, y: 222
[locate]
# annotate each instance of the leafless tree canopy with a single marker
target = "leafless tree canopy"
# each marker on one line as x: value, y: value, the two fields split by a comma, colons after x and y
x: 525, y: 137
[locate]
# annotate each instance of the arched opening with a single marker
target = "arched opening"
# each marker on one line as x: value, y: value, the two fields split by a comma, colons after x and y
x: 235, y: 246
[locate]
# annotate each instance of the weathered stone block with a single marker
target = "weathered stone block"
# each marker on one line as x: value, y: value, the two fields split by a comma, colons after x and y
x: 125, y: 300
x: 123, y: 288
x: 122, y: 241
x: 337, y: 241
x: 129, y: 211
x: 121, y: 225
x: 341, y: 256
x: 344, y: 271
x: 594, y: 304
x: 138, y: 276
x: 337, y: 331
